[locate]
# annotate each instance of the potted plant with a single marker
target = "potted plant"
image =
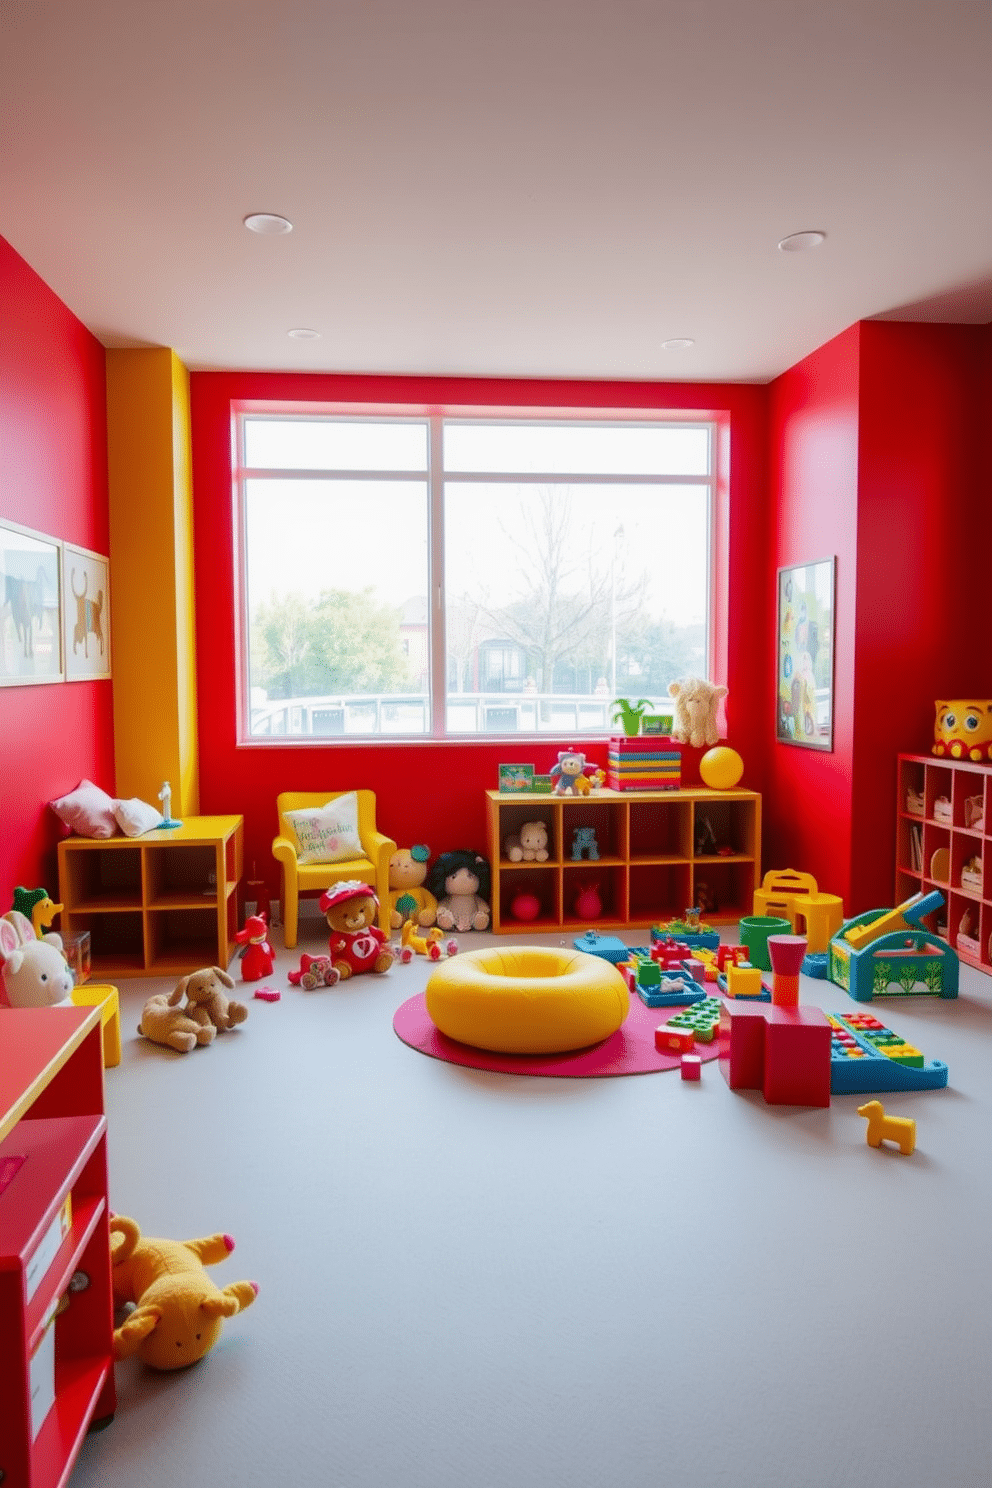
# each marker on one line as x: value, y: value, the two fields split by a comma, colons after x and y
x: 630, y: 714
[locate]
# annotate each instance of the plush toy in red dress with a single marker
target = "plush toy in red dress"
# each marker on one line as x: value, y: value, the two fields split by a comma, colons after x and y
x: 257, y: 956
x: 356, y: 942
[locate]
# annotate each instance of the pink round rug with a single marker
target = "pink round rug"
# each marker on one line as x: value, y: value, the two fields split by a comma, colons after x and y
x: 629, y: 1051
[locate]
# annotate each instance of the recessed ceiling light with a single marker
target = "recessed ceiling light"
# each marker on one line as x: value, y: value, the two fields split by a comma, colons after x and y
x: 678, y: 343
x: 304, y: 333
x: 800, y: 241
x: 268, y: 222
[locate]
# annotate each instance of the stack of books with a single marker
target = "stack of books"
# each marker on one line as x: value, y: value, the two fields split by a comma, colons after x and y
x: 643, y: 763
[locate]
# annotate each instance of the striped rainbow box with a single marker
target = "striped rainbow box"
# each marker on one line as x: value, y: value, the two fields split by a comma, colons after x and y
x: 644, y: 763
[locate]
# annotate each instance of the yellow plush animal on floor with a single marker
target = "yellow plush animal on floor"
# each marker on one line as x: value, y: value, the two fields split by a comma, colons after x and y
x: 178, y: 1308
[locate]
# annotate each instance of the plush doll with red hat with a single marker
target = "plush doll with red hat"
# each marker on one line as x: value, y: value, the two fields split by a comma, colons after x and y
x: 356, y: 942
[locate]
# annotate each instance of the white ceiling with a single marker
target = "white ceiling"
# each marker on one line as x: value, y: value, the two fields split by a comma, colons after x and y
x: 504, y: 187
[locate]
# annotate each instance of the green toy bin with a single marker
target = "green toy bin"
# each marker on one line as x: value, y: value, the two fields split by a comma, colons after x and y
x: 754, y: 932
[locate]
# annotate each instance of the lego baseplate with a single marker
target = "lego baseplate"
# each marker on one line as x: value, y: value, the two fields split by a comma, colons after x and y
x: 865, y: 1056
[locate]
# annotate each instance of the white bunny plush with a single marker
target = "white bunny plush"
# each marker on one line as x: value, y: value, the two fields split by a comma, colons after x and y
x: 33, y: 973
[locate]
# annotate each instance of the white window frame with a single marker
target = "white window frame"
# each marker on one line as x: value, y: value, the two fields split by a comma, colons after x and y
x: 435, y: 418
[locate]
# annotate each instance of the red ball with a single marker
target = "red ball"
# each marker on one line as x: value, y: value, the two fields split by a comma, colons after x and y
x: 525, y: 907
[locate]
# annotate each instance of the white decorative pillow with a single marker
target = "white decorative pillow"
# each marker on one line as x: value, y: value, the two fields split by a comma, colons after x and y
x: 88, y: 811
x: 327, y: 834
x: 136, y: 816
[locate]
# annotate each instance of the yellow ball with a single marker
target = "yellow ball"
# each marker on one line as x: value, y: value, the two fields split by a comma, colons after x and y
x: 721, y: 768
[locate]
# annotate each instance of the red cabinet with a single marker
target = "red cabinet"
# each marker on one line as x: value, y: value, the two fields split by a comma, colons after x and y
x: 56, y: 1308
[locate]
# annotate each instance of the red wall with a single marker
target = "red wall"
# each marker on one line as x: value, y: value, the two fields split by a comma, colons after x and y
x: 814, y: 492
x: 433, y: 792
x: 922, y: 613
x: 53, y: 478
x: 876, y: 457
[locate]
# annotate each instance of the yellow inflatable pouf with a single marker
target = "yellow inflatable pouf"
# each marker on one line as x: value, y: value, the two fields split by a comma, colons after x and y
x: 527, y: 999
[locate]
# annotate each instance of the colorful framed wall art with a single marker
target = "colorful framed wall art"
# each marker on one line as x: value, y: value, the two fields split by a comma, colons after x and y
x: 805, y: 667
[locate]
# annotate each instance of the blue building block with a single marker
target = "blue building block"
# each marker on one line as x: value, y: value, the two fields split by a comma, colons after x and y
x: 865, y: 1057
x: 689, y: 992
x: 608, y: 946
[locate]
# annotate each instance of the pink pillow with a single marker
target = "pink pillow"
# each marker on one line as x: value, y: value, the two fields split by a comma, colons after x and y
x: 88, y: 811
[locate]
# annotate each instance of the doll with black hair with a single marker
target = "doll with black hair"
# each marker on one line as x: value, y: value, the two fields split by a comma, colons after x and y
x: 460, y: 882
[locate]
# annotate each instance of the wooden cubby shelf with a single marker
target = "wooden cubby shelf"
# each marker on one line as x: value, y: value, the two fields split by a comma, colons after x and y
x: 162, y: 904
x: 944, y: 841
x: 658, y: 851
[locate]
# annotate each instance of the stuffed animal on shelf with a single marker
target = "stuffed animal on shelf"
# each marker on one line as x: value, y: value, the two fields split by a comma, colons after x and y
x: 569, y: 774
x: 529, y: 845
x: 178, y: 1308
x: 257, y: 958
x: 408, y: 899
x: 460, y: 881
x: 696, y: 704
x: 206, y: 998
x: 356, y: 943
x: 164, y: 1022
x: 33, y: 971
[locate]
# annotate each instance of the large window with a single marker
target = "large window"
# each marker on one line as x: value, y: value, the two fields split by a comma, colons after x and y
x: 439, y: 576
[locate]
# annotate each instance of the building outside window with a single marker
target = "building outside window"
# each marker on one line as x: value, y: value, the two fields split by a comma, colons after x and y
x: 447, y: 576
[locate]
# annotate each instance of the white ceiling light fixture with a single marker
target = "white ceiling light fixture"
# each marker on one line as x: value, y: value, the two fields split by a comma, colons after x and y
x: 801, y: 241
x: 304, y: 333
x: 678, y: 343
x: 269, y: 224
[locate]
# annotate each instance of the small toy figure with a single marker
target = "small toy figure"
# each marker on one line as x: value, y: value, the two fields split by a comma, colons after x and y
x: 165, y: 796
x: 884, y: 1128
x: 257, y: 958
x: 569, y: 774
x: 408, y: 899
x: 314, y: 971
x: 356, y: 942
x: 460, y: 881
x: 584, y: 844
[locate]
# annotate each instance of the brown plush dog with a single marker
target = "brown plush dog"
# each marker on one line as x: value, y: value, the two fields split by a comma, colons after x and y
x: 206, y: 998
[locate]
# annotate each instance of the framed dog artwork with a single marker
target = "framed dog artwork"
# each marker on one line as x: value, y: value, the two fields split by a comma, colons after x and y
x: 30, y: 607
x: 86, y: 613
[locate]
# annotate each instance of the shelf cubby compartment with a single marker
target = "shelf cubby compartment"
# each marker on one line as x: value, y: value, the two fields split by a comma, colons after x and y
x: 603, y: 818
x: 610, y: 883
x: 185, y: 875
x: 519, y: 813
x: 660, y: 831
x: 541, y: 881
x: 659, y: 891
x: 101, y: 878
x: 117, y: 941
x: 179, y: 938
x: 727, y: 883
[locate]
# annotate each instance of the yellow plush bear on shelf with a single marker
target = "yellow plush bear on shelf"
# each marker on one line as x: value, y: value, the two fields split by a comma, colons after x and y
x: 178, y: 1308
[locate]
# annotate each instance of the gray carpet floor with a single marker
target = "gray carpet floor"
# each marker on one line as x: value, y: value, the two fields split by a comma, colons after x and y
x: 472, y: 1279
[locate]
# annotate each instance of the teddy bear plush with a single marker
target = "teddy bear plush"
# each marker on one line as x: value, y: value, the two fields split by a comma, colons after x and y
x: 529, y: 845
x: 569, y: 774
x: 178, y: 1309
x: 206, y: 998
x: 696, y: 704
x: 356, y: 943
x: 460, y: 881
x: 408, y: 899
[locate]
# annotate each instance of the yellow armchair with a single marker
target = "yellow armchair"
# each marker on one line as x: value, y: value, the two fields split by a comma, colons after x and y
x: 311, y: 878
